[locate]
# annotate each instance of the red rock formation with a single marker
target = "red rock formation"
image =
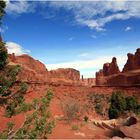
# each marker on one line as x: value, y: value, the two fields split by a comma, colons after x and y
x: 89, y: 81
x: 67, y: 74
x: 31, y: 70
x: 111, y: 68
x: 34, y: 71
x: 133, y: 61
x: 132, y: 131
x: 111, y: 76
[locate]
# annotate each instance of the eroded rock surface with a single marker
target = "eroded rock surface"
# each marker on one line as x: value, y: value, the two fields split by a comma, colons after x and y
x: 111, y: 75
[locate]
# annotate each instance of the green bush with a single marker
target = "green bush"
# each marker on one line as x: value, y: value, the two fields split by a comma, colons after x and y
x: 132, y: 103
x: 10, y: 125
x: 118, y: 104
x: 23, y: 88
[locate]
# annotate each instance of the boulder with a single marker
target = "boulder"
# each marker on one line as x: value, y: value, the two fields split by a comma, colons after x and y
x: 132, y: 131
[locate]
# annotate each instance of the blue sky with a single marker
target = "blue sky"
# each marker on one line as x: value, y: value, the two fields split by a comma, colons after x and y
x: 80, y: 35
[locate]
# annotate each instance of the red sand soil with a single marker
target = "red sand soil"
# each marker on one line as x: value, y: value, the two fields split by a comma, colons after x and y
x: 61, y: 94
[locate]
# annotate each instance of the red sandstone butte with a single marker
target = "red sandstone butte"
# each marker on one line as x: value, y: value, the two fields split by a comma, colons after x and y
x: 33, y: 71
x: 133, y: 61
x: 67, y: 74
x: 111, y: 76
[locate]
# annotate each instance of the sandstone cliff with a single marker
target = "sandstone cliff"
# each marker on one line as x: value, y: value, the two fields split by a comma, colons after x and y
x: 33, y: 71
x: 111, y: 76
x: 133, y: 61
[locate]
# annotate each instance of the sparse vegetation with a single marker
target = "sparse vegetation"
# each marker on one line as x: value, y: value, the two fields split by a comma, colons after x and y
x: 71, y: 110
x: 38, y: 124
x: 75, y: 127
x: 120, y: 104
x: 99, y: 102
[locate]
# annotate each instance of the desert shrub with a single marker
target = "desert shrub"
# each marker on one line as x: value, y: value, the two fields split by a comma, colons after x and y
x: 10, y: 125
x: 71, y: 110
x: 118, y: 104
x: 49, y: 95
x: 23, y: 88
x: 4, y: 135
x: 10, y: 109
x: 98, y: 108
x: 132, y: 103
x: 75, y: 127
x: 86, y: 118
x: 23, y: 107
x: 113, y: 112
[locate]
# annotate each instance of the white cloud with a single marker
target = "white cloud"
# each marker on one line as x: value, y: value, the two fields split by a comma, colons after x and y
x: 96, y: 14
x: 93, y: 14
x: 16, y: 48
x: 128, y: 28
x: 19, y: 7
x: 83, y: 65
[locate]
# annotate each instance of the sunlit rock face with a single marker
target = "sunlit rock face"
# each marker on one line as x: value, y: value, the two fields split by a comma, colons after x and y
x: 133, y: 62
x: 111, y: 75
x: 67, y: 74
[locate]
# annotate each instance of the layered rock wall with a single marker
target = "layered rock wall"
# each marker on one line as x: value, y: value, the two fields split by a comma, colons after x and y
x: 111, y: 76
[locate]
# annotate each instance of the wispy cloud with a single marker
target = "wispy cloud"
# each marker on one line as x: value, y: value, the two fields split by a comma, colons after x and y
x: 128, y: 28
x: 19, y: 7
x: 95, y: 14
x: 13, y: 47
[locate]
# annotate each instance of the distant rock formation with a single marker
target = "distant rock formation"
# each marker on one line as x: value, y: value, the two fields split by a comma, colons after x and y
x: 67, y: 74
x: 33, y: 71
x: 111, y: 75
x: 111, y: 68
x: 133, y: 61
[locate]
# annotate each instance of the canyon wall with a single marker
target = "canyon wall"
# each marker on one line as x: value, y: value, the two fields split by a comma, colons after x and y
x: 33, y: 71
x: 110, y: 75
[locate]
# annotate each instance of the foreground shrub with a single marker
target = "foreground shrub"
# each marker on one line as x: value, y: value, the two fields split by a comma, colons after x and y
x: 120, y: 104
x: 71, y: 110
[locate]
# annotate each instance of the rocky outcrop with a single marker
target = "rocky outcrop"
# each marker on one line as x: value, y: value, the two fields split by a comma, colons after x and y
x: 33, y: 71
x: 67, y: 74
x: 133, y: 61
x: 111, y: 68
x: 100, y: 78
x: 132, y: 131
x: 111, y: 76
